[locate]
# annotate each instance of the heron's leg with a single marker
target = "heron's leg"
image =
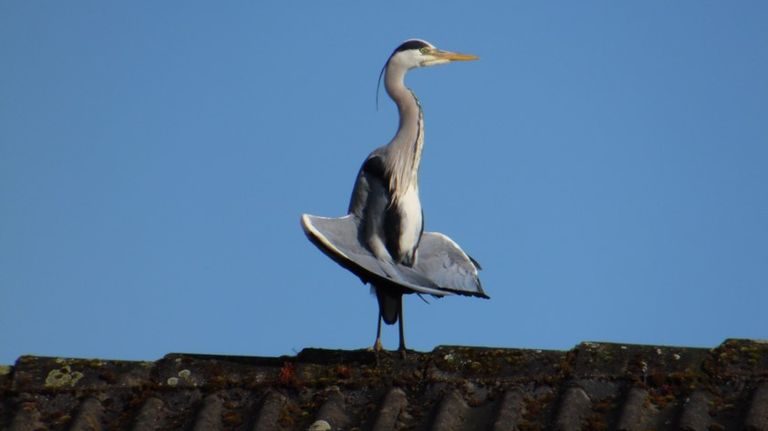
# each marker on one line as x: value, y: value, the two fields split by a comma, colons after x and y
x: 377, y: 344
x: 401, y: 348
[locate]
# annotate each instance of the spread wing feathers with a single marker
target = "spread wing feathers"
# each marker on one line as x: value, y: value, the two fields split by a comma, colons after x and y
x: 441, y: 268
x: 442, y: 261
x: 338, y: 238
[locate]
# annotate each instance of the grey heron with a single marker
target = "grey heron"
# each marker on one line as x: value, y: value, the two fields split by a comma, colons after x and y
x: 382, y: 238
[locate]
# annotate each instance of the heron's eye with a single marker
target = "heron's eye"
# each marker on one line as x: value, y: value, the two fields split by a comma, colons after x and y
x: 424, y: 50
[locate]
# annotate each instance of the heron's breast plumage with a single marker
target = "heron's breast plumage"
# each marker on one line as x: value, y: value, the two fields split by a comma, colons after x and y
x: 404, y: 151
x: 404, y: 218
x: 403, y: 225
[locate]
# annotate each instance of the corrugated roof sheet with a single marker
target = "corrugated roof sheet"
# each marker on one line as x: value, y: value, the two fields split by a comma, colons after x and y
x: 595, y: 386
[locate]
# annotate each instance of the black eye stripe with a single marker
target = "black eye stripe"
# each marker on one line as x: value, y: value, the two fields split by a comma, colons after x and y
x: 410, y: 44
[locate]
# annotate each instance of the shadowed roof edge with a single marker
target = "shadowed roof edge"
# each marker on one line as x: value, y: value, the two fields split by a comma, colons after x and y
x: 593, y: 385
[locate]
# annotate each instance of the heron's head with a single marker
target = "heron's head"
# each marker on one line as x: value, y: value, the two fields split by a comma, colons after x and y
x: 417, y: 53
x: 420, y: 53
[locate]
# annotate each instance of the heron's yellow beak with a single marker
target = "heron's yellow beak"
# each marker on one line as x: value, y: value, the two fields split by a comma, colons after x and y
x: 437, y: 56
x: 453, y: 56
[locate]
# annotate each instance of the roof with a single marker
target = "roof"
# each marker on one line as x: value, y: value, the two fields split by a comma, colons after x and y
x: 594, y: 386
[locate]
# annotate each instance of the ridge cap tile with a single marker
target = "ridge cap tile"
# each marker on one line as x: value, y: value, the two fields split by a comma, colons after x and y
x: 595, y: 385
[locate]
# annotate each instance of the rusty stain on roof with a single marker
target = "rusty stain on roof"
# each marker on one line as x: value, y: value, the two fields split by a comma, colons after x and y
x: 594, y: 386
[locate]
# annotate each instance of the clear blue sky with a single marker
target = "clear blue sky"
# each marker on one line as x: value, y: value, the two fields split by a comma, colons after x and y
x: 606, y: 162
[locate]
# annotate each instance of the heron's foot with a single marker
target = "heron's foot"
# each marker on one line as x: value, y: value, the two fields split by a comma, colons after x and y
x: 377, y: 347
x: 401, y: 350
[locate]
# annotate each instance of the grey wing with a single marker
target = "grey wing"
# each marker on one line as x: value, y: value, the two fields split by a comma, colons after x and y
x: 369, y: 188
x: 339, y: 239
x: 442, y: 261
x: 378, y: 230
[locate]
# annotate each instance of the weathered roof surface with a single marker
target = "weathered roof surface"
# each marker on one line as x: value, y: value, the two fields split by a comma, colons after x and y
x: 595, y: 386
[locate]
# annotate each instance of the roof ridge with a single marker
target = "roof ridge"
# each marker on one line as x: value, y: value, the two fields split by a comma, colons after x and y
x: 594, y: 382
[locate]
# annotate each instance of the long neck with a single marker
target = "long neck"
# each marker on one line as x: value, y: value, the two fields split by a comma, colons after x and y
x: 404, y: 151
